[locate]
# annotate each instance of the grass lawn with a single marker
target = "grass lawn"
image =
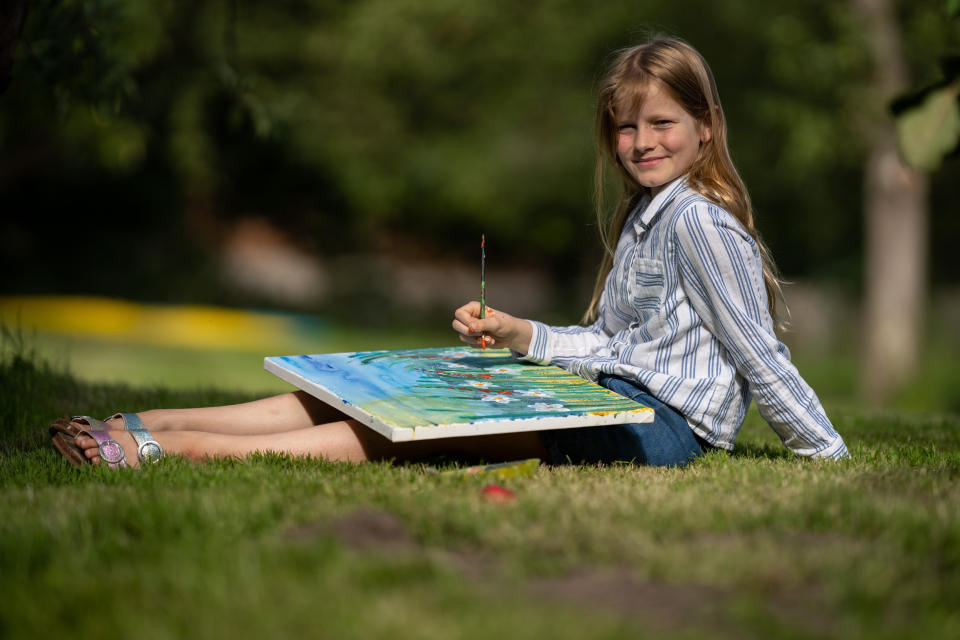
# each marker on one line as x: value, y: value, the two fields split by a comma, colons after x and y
x: 756, y: 544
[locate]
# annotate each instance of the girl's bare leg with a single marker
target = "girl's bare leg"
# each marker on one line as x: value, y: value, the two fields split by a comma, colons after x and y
x: 345, y: 440
x: 285, y: 412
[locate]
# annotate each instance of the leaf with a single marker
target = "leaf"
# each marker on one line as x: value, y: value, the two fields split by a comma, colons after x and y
x: 929, y: 131
x: 953, y: 8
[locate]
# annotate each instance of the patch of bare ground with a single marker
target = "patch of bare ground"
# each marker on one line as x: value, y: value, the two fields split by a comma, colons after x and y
x: 371, y: 531
x: 361, y: 530
x: 367, y: 529
x: 666, y: 606
x: 789, y: 539
x: 619, y: 590
x: 671, y: 607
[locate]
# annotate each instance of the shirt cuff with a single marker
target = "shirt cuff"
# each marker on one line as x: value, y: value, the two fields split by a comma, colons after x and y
x: 836, y: 450
x: 538, y: 351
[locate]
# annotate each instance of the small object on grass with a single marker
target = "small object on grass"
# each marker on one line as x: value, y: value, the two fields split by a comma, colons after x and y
x: 501, y: 469
x: 497, y: 493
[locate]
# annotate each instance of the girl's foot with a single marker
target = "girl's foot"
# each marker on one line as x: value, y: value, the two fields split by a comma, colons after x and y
x: 120, y: 441
x: 91, y: 448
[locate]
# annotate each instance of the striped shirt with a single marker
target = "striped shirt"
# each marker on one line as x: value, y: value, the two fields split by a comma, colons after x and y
x: 684, y: 312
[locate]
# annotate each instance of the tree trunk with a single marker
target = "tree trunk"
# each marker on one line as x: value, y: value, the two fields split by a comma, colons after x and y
x: 895, y: 222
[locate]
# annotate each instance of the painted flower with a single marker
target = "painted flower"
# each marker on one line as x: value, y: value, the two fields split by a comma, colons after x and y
x: 505, y: 370
x: 547, y: 406
x: 456, y: 365
x: 534, y: 393
x: 480, y: 385
x: 498, y: 398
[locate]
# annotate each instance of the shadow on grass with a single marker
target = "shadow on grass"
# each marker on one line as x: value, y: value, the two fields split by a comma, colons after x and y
x: 754, y: 451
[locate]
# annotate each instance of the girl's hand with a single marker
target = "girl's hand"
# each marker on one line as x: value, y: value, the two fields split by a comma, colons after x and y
x: 498, y: 329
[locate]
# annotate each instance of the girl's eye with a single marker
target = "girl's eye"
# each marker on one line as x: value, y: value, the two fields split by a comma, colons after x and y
x: 626, y: 127
x: 663, y: 123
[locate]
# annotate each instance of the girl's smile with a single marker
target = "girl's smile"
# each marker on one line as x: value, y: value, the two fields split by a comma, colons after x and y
x: 659, y: 141
x: 648, y: 162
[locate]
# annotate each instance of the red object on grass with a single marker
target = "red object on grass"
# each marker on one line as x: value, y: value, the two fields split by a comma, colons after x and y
x: 496, y: 493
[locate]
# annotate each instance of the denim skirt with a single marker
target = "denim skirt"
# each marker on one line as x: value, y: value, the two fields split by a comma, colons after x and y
x: 667, y: 441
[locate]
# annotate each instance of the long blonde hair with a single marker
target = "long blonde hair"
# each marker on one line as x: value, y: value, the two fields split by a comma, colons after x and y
x: 685, y: 75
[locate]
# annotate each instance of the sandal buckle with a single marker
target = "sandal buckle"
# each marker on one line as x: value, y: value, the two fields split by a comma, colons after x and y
x: 112, y: 452
x: 150, y: 451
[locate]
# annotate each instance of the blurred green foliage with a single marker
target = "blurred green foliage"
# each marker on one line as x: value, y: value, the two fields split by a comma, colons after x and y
x: 134, y: 133
x: 928, y: 121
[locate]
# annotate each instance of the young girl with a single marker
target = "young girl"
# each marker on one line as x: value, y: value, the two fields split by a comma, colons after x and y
x: 682, y: 316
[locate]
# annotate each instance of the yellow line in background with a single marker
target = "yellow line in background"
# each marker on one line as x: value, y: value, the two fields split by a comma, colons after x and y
x: 191, y: 326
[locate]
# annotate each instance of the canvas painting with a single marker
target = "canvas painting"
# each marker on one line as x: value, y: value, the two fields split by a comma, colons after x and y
x: 447, y: 392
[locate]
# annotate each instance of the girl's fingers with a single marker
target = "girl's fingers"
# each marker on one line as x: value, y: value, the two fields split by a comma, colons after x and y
x: 467, y: 319
x: 466, y: 330
x: 467, y: 313
x: 477, y: 331
x: 469, y: 310
x: 474, y: 341
x: 487, y: 325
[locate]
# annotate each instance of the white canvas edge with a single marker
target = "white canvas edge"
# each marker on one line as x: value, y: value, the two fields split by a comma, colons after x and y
x: 490, y: 427
x: 457, y: 429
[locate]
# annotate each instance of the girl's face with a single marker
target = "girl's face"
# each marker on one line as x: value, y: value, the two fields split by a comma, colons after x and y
x: 658, y: 142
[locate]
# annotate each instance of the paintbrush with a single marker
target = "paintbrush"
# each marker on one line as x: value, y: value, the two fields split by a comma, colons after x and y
x: 483, y: 287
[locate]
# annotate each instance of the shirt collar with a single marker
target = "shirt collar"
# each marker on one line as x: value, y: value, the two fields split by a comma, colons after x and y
x: 666, y: 195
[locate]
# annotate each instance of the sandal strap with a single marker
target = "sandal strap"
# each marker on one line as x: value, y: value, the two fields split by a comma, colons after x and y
x: 148, y: 449
x: 131, y: 421
x: 92, y: 422
x: 111, y: 451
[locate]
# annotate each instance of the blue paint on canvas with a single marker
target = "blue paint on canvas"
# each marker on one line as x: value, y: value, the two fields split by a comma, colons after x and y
x: 421, y: 387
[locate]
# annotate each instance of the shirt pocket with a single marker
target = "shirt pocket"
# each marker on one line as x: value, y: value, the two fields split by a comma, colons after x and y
x: 645, y: 287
